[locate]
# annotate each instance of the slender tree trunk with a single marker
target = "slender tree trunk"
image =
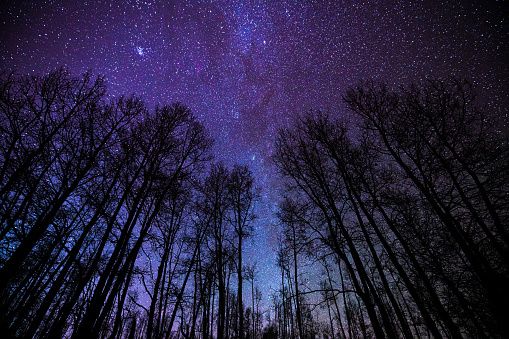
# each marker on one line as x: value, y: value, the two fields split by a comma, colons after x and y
x: 184, y: 284
x: 120, y: 303
x: 335, y: 301
x: 252, y: 308
x: 297, y: 297
x: 348, y: 314
x: 239, y: 296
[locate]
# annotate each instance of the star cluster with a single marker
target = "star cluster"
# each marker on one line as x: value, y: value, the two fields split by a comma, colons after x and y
x: 246, y: 68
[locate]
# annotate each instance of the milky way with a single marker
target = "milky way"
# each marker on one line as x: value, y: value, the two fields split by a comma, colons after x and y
x: 246, y: 68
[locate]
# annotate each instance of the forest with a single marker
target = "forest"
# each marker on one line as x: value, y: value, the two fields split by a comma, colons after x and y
x: 117, y: 221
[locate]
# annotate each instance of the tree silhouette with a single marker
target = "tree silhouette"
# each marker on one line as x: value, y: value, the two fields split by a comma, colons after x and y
x: 242, y: 197
x: 116, y: 223
x: 412, y: 203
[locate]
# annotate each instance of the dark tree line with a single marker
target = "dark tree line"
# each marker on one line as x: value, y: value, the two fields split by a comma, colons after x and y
x: 407, y: 214
x: 115, y: 222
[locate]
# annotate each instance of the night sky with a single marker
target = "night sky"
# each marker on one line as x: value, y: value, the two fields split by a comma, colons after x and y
x: 246, y: 68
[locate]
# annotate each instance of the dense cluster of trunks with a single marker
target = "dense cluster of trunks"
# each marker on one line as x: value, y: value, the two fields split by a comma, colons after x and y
x: 117, y: 223
x: 406, y: 211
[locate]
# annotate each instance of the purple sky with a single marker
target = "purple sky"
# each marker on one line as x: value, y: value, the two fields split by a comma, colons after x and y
x: 246, y: 68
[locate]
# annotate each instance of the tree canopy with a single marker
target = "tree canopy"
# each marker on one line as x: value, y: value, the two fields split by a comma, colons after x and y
x: 116, y: 221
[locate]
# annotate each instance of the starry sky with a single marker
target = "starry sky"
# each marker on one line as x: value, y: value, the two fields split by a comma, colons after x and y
x: 246, y: 68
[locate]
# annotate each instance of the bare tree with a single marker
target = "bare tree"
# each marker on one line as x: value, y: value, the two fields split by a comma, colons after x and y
x: 453, y: 156
x: 250, y: 273
x: 104, y: 205
x: 242, y: 194
x: 215, y: 204
x: 411, y: 203
x: 41, y: 158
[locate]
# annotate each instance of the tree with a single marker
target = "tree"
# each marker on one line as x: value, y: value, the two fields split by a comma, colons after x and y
x: 293, y: 235
x: 170, y: 146
x: 57, y: 134
x: 40, y: 118
x: 444, y: 143
x: 298, y: 156
x: 411, y: 203
x: 250, y: 276
x: 215, y: 205
x: 242, y: 195
x: 83, y: 182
